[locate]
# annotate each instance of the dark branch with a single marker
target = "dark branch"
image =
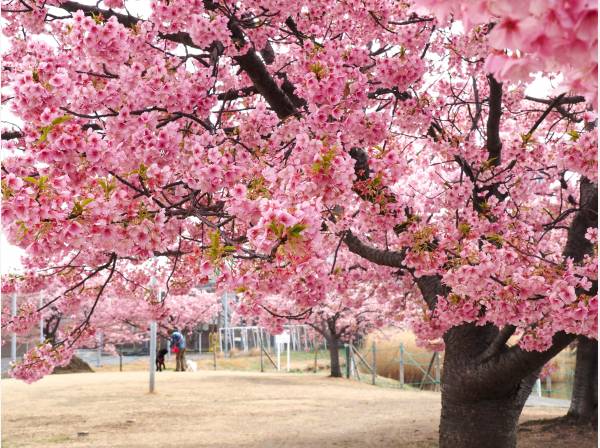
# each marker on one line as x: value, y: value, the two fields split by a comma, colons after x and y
x: 431, y: 287
x: 11, y: 135
x: 499, y: 343
x: 544, y: 115
x: 381, y: 257
x: 494, y: 144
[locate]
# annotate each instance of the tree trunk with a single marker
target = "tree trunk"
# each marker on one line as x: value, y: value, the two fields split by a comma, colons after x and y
x: 482, y: 398
x: 584, y: 399
x: 473, y: 418
x: 76, y: 365
x: 482, y: 423
x: 334, y: 356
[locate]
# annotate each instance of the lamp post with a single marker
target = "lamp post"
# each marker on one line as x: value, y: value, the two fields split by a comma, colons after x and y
x: 152, y: 343
x: 41, y: 320
x: 13, y: 340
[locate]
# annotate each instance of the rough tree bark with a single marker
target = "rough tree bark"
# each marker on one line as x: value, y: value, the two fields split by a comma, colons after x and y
x: 334, y: 356
x: 327, y: 328
x: 482, y: 399
x: 584, y: 399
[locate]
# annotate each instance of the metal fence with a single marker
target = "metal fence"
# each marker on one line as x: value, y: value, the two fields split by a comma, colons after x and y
x: 253, y: 348
x: 398, y: 367
x: 393, y: 367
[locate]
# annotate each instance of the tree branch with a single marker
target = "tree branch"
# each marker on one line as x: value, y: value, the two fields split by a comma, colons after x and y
x: 494, y: 144
x: 378, y: 256
x: 499, y: 343
x: 431, y: 287
x: 249, y: 62
x: 11, y: 135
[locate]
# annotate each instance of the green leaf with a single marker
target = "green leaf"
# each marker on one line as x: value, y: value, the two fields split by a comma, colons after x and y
x: 277, y: 229
x: 107, y: 187
x: 323, y: 165
x: 495, y: 239
x: 296, y: 229
x: 23, y: 230
x: 318, y: 70
x: 45, y: 130
x: 142, y: 171
x: 79, y: 207
x: 98, y: 18
x: 60, y: 120
x: 574, y: 135
x: 464, y: 228
x: 41, y: 182
x: 526, y: 138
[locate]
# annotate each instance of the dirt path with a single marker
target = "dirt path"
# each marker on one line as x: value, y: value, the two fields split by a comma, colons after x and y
x: 220, y: 409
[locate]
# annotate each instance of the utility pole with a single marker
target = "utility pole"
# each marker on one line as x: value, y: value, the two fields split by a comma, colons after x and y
x: 226, y: 324
x: 13, y: 341
x: 152, y: 342
x: 41, y: 321
x: 152, y: 354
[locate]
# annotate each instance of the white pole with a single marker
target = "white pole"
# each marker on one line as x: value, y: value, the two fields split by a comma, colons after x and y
x: 538, y: 387
x: 152, y: 342
x: 225, y: 324
x: 13, y: 341
x: 41, y: 321
x: 152, y: 354
x: 278, y: 355
x: 169, y: 349
x: 288, y: 357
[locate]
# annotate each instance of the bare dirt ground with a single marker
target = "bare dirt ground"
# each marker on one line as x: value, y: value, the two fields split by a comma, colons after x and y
x: 231, y: 410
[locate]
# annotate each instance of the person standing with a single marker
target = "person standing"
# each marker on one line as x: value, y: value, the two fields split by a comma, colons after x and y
x: 178, y: 344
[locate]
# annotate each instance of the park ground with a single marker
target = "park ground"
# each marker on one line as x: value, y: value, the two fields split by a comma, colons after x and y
x: 235, y: 409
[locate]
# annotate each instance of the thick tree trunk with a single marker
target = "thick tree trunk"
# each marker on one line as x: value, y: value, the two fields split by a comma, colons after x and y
x: 482, y: 395
x: 474, y: 419
x: 485, y: 384
x: 482, y: 423
x: 584, y: 400
x: 334, y: 356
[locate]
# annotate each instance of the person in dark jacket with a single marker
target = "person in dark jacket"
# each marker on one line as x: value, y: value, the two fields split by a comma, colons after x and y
x: 178, y: 346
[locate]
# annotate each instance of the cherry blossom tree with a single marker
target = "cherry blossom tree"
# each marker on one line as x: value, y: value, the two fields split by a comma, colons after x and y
x: 265, y: 138
x: 121, y: 317
x: 348, y: 303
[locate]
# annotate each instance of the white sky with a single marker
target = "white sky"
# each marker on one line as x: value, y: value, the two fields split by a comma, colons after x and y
x: 10, y: 256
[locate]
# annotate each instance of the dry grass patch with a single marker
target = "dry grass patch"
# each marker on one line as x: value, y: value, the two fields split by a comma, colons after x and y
x: 222, y: 409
